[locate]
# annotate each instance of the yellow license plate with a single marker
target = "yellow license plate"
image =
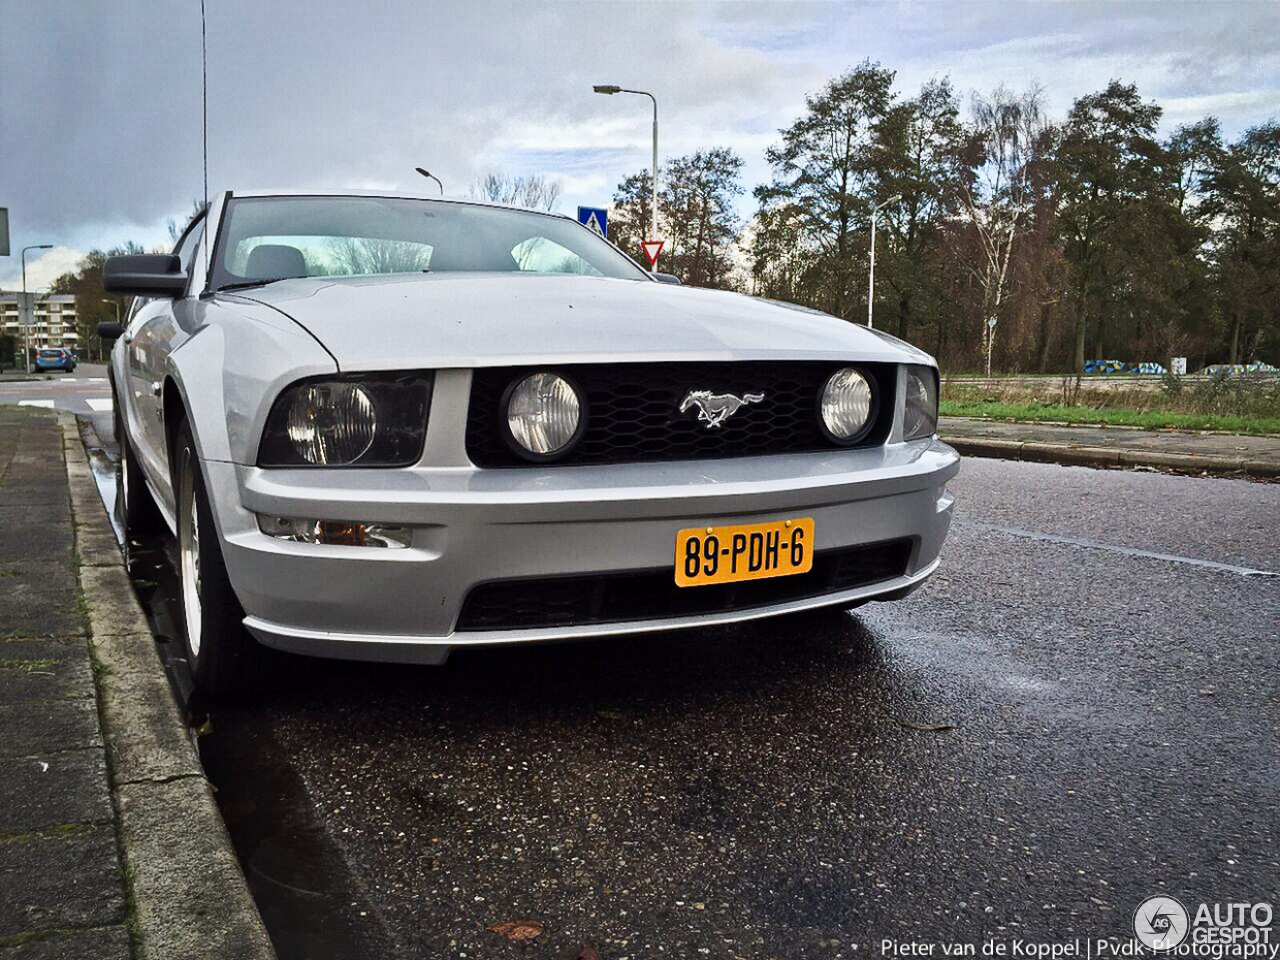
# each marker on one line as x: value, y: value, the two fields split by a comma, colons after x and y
x: 751, y: 551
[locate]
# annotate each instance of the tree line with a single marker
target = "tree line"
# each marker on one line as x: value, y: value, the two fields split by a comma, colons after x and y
x: 1002, y: 235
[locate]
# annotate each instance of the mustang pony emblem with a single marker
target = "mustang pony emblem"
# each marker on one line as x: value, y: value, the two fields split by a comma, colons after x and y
x: 715, y: 408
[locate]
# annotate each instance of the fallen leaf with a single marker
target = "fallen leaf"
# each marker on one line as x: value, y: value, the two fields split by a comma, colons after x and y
x: 926, y: 727
x: 611, y: 715
x: 518, y: 930
x: 588, y: 952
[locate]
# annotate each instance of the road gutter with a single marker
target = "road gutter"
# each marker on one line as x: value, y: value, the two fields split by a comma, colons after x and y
x: 188, y: 895
x: 1086, y: 456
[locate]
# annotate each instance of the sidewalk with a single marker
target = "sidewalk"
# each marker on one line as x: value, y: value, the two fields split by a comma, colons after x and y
x: 61, y: 887
x: 111, y: 846
x: 1216, y: 453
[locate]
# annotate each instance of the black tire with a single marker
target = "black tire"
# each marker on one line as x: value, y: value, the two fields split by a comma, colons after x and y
x: 138, y: 510
x: 225, y: 661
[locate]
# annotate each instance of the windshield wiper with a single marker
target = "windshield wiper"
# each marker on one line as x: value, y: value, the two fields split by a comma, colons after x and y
x: 245, y: 284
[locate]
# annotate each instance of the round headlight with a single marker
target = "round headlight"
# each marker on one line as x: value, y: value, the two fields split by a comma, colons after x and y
x: 543, y: 414
x: 331, y: 423
x: 846, y: 405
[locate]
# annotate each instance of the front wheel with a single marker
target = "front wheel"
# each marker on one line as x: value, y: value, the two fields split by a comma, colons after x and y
x: 225, y: 661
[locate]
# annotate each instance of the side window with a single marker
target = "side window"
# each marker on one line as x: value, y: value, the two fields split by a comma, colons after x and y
x: 541, y: 255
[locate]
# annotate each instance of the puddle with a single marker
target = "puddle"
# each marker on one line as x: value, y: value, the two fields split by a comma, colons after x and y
x: 104, y: 474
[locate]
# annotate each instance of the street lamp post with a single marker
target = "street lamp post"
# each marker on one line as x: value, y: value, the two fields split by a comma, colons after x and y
x: 26, y: 327
x: 431, y: 176
x: 871, y: 283
x: 611, y: 89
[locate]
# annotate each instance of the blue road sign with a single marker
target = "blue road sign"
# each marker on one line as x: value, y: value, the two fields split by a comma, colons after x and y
x: 596, y: 219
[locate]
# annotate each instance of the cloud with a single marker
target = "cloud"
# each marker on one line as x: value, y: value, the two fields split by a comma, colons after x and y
x: 303, y: 95
x: 1261, y: 103
x: 41, y: 270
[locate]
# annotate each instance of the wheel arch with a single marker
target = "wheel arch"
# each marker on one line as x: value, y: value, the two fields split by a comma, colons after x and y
x: 175, y: 413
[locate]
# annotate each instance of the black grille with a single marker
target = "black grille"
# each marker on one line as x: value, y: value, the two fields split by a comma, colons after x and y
x: 653, y: 594
x: 633, y: 410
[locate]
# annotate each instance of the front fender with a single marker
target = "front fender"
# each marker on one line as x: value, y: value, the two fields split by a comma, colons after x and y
x: 231, y: 369
x: 227, y: 374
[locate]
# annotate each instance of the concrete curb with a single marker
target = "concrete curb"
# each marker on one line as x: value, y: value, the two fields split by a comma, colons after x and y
x: 189, y: 896
x: 1109, y: 457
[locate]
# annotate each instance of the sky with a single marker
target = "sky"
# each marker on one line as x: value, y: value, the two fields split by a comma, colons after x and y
x: 100, y: 103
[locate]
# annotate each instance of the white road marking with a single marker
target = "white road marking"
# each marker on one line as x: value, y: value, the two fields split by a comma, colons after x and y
x: 96, y: 379
x: 100, y: 406
x: 1126, y: 551
x: 65, y: 379
x: 36, y: 403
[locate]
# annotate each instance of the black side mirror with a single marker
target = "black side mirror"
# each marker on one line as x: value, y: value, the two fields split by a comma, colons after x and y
x: 110, y: 330
x: 145, y: 275
x: 665, y: 277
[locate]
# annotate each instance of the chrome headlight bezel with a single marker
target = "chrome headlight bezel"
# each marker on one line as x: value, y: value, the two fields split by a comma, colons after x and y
x: 504, y: 417
x: 399, y: 403
x: 920, y: 403
x: 873, y: 406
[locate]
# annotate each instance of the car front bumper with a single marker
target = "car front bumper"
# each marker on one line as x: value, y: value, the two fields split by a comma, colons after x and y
x: 472, y: 527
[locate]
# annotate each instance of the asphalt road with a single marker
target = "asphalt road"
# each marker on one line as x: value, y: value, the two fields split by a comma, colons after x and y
x: 1079, y: 711
x: 86, y: 392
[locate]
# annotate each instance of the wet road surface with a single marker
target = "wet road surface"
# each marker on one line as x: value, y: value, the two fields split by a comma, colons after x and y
x: 1069, y: 718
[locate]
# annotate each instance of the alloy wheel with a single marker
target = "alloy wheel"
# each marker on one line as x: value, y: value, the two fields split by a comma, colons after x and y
x: 189, y: 550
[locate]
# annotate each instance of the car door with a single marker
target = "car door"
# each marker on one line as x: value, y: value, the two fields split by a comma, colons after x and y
x: 152, y: 334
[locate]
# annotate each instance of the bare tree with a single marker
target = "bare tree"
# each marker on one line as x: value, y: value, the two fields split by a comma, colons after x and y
x: 1008, y: 129
x: 352, y: 256
x: 536, y: 192
x: 178, y: 227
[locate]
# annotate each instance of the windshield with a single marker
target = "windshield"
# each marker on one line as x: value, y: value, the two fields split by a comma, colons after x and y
x: 274, y: 238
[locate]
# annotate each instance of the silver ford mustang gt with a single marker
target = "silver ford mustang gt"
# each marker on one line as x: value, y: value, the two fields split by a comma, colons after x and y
x: 383, y: 427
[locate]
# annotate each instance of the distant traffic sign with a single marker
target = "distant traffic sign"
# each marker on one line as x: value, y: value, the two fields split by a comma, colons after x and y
x: 26, y: 309
x: 594, y: 218
x: 651, y: 250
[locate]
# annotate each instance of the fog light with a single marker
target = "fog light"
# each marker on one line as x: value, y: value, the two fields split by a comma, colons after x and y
x: 846, y: 406
x: 342, y: 533
x: 544, y: 415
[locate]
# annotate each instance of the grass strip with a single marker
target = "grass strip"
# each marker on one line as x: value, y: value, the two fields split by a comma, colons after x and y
x: 1088, y: 416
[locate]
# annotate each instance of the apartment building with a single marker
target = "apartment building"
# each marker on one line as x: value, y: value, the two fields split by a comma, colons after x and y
x: 55, y: 324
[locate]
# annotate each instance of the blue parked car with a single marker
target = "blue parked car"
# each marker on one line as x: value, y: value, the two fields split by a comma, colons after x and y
x: 56, y: 358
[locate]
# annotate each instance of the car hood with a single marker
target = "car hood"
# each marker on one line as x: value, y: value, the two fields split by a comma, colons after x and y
x: 481, y: 320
